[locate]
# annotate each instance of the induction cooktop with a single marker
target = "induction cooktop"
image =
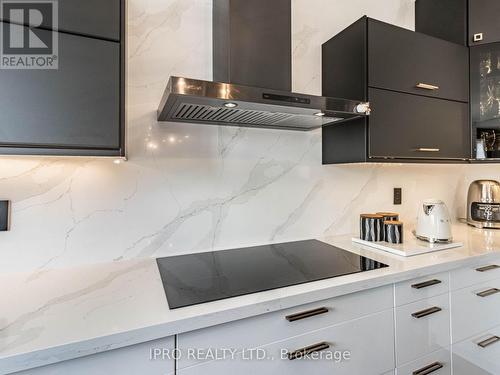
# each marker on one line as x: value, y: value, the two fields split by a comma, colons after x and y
x: 211, y: 276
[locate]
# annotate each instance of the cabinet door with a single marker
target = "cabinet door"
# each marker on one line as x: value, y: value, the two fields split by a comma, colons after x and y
x: 75, y: 106
x: 362, y: 346
x: 417, y: 127
x: 422, y: 328
x: 484, y: 18
x: 478, y: 355
x: 485, y: 99
x: 99, y: 18
x: 406, y: 61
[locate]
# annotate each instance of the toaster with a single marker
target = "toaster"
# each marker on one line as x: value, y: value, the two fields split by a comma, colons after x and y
x: 483, y: 204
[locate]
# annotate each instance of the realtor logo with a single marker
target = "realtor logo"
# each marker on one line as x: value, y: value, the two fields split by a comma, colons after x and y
x: 27, y: 41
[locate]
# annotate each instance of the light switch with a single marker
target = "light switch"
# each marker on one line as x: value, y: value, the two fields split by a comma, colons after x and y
x: 4, y: 215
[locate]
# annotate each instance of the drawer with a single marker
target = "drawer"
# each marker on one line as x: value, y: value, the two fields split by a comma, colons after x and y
x: 420, y: 330
x: 476, y: 273
x: 475, y: 309
x: 479, y: 355
x: 368, y: 340
x: 421, y: 288
x: 400, y: 60
x: 272, y: 327
x: 417, y: 127
x: 98, y: 18
x: 437, y: 363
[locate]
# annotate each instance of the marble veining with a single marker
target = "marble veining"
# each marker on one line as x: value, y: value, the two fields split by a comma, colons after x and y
x: 189, y: 188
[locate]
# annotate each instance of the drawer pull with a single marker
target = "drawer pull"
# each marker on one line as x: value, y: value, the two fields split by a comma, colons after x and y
x: 306, y: 314
x: 427, y: 86
x: 429, y: 369
x: 426, y: 284
x: 487, y: 268
x: 426, y: 312
x: 488, y: 341
x: 308, y: 350
x: 427, y: 149
x: 488, y: 292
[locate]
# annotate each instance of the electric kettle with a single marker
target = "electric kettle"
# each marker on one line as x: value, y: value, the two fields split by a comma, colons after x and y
x: 433, y: 222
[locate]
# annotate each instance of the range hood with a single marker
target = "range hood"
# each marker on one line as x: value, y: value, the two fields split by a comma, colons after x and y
x: 252, y: 76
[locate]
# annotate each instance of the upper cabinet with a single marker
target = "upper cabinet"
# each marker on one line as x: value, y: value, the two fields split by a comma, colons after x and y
x: 76, y: 108
x: 418, y: 89
x: 405, y: 61
x: 98, y: 18
x: 466, y: 22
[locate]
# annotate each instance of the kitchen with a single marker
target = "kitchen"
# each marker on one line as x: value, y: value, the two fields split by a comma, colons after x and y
x: 82, y: 290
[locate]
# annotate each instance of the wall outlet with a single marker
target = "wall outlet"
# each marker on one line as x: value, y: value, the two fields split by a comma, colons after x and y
x: 4, y: 215
x: 398, y: 195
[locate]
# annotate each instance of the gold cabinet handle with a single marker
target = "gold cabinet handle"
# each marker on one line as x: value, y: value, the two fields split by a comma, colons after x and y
x: 427, y: 149
x: 427, y: 86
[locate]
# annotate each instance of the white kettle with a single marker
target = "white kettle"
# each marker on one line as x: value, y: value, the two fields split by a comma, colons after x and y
x: 433, y: 222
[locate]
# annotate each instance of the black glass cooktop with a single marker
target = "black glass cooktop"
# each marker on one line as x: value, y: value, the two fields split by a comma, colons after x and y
x: 204, y: 277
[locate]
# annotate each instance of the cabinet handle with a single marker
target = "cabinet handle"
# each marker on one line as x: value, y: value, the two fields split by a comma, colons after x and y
x: 488, y: 292
x: 429, y: 369
x: 426, y: 312
x: 426, y: 284
x: 427, y: 149
x: 308, y: 350
x: 427, y: 86
x: 477, y: 37
x: 487, y: 268
x: 488, y: 341
x: 306, y: 314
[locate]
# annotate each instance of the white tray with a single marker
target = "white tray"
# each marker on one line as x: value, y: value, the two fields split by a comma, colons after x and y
x: 410, y: 247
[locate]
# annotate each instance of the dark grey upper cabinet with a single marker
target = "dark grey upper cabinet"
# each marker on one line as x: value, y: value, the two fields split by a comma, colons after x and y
x: 415, y: 63
x: 417, y: 86
x: 484, y: 21
x: 419, y: 128
x: 467, y: 22
x: 97, y: 18
x: 75, y: 109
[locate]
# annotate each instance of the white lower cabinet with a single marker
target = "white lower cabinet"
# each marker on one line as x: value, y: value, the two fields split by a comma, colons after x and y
x: 479, y: 355
x: 131, y: 360
x: 422, y: 327
x: 437, y: 363
x: 361, y: 346
x: 475, y: 309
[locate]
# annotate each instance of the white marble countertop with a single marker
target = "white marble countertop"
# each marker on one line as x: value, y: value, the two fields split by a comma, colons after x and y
x: 61, y: 314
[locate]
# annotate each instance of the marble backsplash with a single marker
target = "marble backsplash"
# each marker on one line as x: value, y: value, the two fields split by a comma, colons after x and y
x: 188, y: 188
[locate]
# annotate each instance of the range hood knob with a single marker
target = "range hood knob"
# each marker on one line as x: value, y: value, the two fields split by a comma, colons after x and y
x: 363, y: 108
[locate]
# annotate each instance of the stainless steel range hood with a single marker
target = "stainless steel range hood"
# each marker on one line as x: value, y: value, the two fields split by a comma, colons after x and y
x: 252, y: 52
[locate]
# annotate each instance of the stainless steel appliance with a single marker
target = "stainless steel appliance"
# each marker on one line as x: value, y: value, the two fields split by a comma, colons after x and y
x: 203, y: 277
x: 483, y: 204
x: 252, y: 76
x: 433, y: 222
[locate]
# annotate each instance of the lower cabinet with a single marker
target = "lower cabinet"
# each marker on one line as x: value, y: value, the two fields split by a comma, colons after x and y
x: 479, y: 355
x: 422, y: 327
x: 131, y: 360
x: 360, y: 346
